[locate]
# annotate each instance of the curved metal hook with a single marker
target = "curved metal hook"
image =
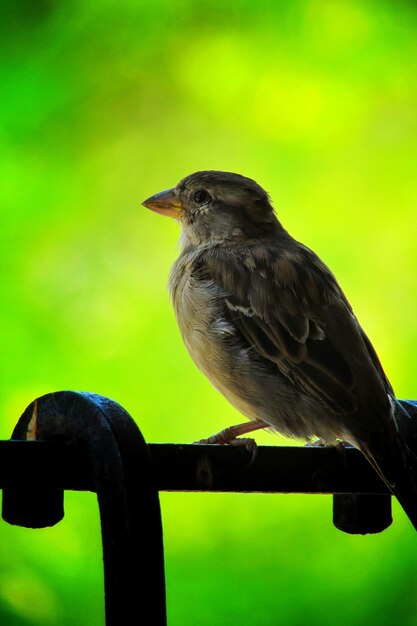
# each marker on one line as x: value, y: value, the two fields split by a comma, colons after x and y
x: 123, y: 478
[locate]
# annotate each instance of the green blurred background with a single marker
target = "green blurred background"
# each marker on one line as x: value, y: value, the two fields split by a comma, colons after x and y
x: 105, y: 103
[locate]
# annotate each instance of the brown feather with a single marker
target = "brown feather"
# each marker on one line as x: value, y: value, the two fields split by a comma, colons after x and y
x: 285, y: 323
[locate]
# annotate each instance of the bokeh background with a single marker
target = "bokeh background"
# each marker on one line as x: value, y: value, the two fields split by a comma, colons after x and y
x: 105, y: 103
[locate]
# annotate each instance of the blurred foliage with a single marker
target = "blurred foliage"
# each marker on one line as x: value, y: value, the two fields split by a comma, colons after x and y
x: 103, y: 104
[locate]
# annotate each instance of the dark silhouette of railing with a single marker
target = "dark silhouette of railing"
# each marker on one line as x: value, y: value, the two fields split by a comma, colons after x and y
x: 81, y: 441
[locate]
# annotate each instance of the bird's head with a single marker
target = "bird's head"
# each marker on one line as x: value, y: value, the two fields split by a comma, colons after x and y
x: 217, y: 206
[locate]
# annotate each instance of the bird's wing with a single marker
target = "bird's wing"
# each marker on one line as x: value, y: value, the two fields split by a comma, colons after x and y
x: 288, y: 306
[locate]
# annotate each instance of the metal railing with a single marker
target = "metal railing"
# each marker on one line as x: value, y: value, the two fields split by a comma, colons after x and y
x: 80, y: 441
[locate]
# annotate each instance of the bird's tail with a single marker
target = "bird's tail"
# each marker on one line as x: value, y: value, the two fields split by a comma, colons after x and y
x: 396, y: 462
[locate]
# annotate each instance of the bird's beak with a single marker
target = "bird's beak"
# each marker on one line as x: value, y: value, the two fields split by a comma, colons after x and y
x: 166, y: 203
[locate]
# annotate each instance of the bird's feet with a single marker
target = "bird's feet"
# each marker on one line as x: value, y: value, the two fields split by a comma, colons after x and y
x: 325, y: 443
x: 318, y: 443
x: 231, y: 436
x: 247, y: 442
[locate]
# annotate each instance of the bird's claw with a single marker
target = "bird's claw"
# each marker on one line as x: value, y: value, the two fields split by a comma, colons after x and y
x: 250, y: 444
x: 318, y: 443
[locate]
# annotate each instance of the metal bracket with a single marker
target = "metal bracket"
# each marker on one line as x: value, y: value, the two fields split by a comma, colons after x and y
x: 72, y: 440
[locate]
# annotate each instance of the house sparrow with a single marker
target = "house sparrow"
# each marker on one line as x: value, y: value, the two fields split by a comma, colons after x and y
x: 266, y: 321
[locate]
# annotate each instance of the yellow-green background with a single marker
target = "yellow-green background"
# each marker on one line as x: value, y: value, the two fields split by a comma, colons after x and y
x: 104, y: 103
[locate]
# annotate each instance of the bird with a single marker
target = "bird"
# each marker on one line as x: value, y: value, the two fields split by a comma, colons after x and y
x: 266, y: 321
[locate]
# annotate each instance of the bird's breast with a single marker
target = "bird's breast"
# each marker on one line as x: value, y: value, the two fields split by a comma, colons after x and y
x: 210, y: 338
x: 198, y: 309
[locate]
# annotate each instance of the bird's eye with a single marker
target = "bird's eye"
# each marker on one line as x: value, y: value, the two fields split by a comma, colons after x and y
x: 201, y: 196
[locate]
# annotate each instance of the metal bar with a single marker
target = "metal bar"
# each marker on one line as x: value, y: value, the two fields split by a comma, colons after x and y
x: 46, y: 464
x: 274, y: 469
x: 194, y: 467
